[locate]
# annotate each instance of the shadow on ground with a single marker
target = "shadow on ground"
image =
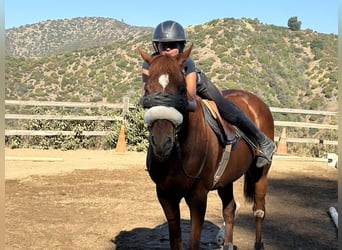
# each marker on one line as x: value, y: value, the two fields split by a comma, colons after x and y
x: 297, y: 218
x: 158, y: 238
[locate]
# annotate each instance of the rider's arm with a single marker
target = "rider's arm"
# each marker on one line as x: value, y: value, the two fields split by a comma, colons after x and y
x: 191, y: 91
x: 190, y: 79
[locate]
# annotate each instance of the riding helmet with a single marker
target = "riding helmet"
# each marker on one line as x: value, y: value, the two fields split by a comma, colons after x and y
x: 169, y: 31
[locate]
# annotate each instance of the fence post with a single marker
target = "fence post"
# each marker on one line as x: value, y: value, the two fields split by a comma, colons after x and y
x: 282, y: 148
x: 125, y: 106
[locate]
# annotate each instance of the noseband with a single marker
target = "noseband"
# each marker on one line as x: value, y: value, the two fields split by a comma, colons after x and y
x: 176, y: 101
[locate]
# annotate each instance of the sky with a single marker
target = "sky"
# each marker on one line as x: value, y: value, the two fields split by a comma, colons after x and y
x: 318, y: 15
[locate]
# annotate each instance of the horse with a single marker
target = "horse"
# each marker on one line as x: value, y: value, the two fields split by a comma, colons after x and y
x: 184, y: 153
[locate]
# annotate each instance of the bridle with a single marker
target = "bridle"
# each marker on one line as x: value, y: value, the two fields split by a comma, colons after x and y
x: 179, y: 102
x: 176, y: 101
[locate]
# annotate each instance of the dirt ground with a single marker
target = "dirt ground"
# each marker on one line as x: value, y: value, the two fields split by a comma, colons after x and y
x: 103, y: 200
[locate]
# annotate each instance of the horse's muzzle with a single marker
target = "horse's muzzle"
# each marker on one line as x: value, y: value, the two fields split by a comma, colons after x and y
x: 162, y: 150
x: 162, y: 138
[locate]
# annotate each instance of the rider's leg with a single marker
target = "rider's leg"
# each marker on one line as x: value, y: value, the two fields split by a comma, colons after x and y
x: 233, y: 114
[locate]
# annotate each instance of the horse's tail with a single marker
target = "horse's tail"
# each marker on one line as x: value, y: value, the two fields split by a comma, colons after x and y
x: 252, y: 176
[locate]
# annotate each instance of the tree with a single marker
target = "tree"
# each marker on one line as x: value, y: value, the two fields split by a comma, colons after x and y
x: 293, y: 23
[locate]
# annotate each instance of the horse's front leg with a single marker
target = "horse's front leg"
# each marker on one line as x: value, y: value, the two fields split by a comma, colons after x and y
x: 170, y: 205
x: 197, y: 203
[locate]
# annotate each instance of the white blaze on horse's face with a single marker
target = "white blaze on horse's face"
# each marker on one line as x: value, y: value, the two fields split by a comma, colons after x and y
x: 164, y: 80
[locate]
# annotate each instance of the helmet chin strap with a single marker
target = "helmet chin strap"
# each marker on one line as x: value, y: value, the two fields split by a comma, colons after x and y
x: 155, y: 47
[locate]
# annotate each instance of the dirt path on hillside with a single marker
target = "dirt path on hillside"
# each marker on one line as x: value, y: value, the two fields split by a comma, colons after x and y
x: 103, y: 200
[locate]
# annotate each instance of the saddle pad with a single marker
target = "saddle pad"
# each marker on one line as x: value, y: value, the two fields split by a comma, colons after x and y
x: 225, y: 133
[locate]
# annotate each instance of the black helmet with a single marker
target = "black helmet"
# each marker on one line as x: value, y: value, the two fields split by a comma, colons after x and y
x: 169, y: 31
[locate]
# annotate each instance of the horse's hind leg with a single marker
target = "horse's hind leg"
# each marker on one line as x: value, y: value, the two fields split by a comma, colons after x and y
x: 228, y: 208
x: 259, y: 208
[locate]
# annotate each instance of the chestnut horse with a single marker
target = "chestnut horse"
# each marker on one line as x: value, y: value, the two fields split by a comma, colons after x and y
x: 184, y: 153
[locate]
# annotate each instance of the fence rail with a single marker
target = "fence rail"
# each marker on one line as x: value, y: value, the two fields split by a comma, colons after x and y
x: 303, y: 111
x: 304, y: 125
x: 124, y: 106
x: 63, y: 117
x: 54, y: 132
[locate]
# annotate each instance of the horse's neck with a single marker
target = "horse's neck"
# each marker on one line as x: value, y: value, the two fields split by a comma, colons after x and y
x: 193, y: 123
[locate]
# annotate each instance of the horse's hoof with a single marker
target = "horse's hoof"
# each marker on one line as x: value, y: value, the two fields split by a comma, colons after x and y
x: 230, y: 247
x: 259, y: 246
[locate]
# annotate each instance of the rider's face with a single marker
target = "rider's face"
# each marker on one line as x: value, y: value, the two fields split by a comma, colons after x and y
x: 169, y: 48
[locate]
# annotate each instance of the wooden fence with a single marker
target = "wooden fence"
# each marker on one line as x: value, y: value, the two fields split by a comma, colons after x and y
x: 124, y: 106
x: 305, y: 124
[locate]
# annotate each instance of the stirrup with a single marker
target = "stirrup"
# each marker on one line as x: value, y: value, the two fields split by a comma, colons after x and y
x: 262, y: 159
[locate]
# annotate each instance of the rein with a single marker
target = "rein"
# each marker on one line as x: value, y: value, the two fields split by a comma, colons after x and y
x: 197, y: 176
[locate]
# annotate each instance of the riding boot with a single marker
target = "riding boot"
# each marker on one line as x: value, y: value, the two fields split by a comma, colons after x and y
x: 267, y: 146
x: 233, y: 114
x: 247, y: 126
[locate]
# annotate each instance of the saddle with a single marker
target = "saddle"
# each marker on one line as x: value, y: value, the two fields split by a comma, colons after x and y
x: 227, y: 135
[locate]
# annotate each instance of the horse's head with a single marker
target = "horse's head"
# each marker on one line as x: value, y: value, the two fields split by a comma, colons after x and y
x: 165, y: 99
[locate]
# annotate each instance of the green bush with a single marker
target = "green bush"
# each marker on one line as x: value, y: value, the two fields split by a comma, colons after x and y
x: 135, y: 131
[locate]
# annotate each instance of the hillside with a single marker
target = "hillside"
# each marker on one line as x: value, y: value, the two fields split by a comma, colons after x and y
x: 58, y: 36
x: 96, y: 59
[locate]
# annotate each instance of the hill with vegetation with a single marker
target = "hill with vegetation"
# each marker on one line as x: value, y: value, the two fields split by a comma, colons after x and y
x: 96, y: 60
x: 63, y: 35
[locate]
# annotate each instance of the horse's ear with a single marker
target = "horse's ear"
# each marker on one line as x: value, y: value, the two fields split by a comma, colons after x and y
x: 183, y: 56
x: 146, y: 56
